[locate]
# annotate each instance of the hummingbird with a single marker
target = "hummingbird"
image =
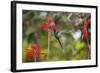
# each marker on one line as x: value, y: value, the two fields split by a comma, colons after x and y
x: 57, y: 36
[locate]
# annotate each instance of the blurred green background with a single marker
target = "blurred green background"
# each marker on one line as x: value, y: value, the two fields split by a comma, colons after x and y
x: 75, y: 47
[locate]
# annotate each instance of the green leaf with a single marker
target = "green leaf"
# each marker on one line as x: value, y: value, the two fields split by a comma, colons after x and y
x: 79, y: 45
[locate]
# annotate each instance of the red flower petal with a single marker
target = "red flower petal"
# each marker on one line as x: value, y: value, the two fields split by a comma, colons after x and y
x: 85, y: 22
x: 29, y: 50
x: 40, y: 53
x: 88, y: 20
x: 85, y: 33
x: 43, y: 27
x: 35, y: 46
x: 48, y: 21
x: 83, y: 27
x: 55, y: 27
x: 29, y: 54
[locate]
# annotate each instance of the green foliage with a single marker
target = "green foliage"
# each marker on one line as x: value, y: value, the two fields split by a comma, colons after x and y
x: 79, y: 45
x: 73, y: 49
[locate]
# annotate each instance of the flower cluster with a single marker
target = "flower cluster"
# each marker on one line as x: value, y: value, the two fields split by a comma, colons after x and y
x: 34, y: 51
x: 49, y: 24
x: 85, y: 33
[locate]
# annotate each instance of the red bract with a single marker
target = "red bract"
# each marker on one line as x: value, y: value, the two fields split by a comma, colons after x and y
x: 55, y: 27
x: 49, y: 25
x: 40, y: 53
x: 48, y: 21
x: 35, y: 46
x: 83, y: 27
x: 43, y: 27
x: 29, y: 52
x: 85, y: 33
x: 86, y: 22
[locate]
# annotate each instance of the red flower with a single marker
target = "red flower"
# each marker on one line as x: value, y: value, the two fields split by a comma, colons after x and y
x: 43, y: 27
x: 86, y: 22
x: 29, y: 52
x: 48, y: 21
x: 35, y: 46
x: 49, y: 25
x: 85, y: 33
x: 83, y: 27
x: 55, y: 27
x: 40, y: 53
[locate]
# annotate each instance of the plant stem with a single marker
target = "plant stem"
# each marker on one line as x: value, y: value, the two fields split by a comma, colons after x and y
x: 35, y: 56
x: 88, y: 49
x: 49, y: 35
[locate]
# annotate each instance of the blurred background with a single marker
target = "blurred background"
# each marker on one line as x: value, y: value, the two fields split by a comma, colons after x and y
x: 56, y: 36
